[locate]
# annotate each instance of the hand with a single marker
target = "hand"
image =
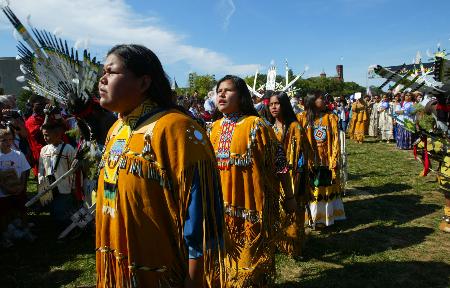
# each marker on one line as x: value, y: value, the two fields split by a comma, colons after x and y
x: 290, y: 205
x: 46, y: 198
x: 76, y: 104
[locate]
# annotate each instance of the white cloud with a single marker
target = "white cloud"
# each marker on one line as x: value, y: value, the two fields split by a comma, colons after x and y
x: 104, y: 23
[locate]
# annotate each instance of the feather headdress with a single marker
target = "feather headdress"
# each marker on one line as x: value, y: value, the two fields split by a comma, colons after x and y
x: 50, y: 68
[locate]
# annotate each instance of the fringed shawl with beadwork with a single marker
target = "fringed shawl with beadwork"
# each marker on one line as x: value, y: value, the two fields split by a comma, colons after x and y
x: 251, y: 197
x: 323, y: 140
x: 296, y: 147
x: 140, y: 222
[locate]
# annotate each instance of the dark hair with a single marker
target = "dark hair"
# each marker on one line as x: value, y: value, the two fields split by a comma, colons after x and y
x: 310, y: 107
x: 52, y: 126
x: 268, y: 94
x: 142, y: 61
x: 37, y: 99
x: 286, y: 110
x: 246, y: 104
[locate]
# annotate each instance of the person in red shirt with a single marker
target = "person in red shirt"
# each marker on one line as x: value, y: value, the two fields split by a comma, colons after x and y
x: 33, y: 125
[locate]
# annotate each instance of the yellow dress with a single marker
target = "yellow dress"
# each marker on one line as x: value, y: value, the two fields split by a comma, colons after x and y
x: 296, y: 148
x: 358, y: 122
x: 245, y: 150
x: 325, y: 201
x: 144, y: 186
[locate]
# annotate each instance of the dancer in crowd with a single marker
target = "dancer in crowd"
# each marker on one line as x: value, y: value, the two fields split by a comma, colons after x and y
x: 385, y: 121
x: 289, y: 132
x: 359, y: 119
x: 405, y: 112
x: 321, y: 129
x: 251, y: 163
x: 369, y: 101
x: 396, y: 105
x: 374, y: 118
x: 159, y: 211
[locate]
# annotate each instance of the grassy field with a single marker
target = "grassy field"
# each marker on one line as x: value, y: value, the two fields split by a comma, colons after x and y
x: 389, y: 240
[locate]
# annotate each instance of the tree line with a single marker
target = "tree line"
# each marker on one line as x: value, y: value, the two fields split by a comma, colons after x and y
x: 331, y: 85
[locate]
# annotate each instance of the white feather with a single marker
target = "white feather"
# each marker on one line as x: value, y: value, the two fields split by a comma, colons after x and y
x: 57, y: 32
x: 77, y: 44
x: 18, y: 57
x: 16, y: 35
x: 26, y: 88
x: 21, y: 78
x: 22, y: 68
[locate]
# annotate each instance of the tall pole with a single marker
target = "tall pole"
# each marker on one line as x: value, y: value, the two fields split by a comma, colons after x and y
x: 287, y: 73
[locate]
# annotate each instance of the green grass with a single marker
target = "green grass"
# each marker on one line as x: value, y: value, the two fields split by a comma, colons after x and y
x: 390, y: 238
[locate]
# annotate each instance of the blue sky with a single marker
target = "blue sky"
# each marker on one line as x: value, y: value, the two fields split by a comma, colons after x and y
x: 240, y: 36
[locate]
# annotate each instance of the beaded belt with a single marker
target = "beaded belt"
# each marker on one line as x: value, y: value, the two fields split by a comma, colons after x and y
x: 252, y: 216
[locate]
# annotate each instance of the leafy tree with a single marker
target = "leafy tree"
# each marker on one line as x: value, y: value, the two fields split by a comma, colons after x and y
x: 352, y: 87
x: 23, y: 98
x: 331, y: 85
x: 376, y: 90
x: 260, y: 80
x: 201, y: 83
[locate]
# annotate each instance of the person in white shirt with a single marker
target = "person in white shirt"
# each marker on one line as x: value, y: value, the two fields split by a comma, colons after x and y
x: 55, y: 160
x: 13, y: 182
x: 210, y: 103
x: 13, y: 163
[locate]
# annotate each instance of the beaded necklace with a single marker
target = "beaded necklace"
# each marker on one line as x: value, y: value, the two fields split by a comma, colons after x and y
x: 228, y: 125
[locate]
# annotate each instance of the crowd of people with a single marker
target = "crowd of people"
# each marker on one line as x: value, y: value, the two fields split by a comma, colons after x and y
x: 33, y: 140
x: 190, y: 191
x: 385, y: 117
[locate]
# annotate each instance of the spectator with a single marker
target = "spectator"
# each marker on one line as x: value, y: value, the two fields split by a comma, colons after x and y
x: 210, y: 105
x: 11, y: 161
x: 55, y: 159
x: 33, y: 125
x: 13, y: 119
x: 13, y: 180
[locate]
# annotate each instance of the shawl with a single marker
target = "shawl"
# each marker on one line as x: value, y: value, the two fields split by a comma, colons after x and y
x: 144, y: 187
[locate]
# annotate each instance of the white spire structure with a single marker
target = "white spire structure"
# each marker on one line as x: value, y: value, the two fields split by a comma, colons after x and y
x: 271, y: 77
x: 287, y: 73
x: 254, y: 80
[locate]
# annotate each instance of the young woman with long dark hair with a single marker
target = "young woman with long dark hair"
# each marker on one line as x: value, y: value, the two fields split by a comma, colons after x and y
x: 158, y: 198
x: 292, y: 136
x: 251, y: 164
x: 321, y: 129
